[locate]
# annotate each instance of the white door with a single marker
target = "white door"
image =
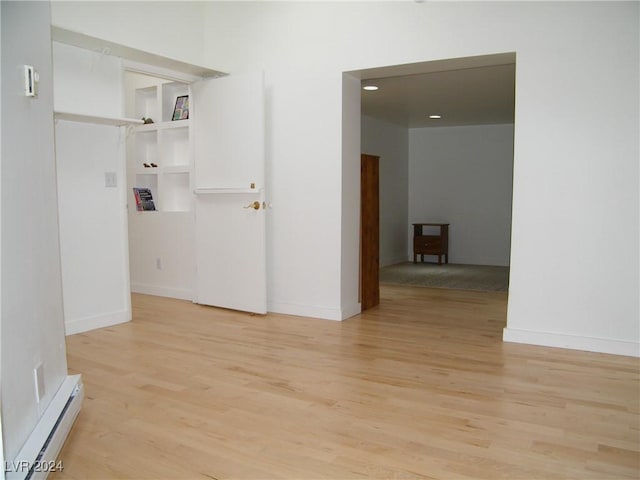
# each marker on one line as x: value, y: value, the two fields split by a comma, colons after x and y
x: 228, y: 140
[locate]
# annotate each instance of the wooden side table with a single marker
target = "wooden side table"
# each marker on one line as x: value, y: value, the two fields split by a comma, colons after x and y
x: 431, y: 244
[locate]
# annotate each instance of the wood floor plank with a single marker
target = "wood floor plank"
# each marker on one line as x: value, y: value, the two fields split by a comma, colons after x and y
x: 420, y: 387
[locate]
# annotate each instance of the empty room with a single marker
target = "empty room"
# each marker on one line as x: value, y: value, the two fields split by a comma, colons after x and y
x: 183, y: 242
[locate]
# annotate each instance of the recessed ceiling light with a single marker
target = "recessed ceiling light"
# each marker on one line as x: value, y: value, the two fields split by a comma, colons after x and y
x: 370, y: 87
x: 435, y: 116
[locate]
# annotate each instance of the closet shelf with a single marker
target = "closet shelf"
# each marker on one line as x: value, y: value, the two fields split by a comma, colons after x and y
x: 99, y: 120
x: 209, y: 191
x: 149, y: 127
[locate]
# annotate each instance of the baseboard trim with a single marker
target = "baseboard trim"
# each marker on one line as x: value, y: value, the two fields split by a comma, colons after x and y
x: 98, y: 321
x: 488, y: 262
x: 351, y: 310
x: 312, y: 311
x: 179, y: 293
x: 573, y: 342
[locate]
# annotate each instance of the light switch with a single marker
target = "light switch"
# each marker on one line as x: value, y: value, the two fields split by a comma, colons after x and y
x: 110, y: 179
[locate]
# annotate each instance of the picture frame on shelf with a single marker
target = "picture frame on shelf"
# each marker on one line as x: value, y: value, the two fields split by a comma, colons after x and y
x: 181, y: 109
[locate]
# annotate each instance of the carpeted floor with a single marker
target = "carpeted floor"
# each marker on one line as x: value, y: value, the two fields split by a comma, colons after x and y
x: 458, y: 277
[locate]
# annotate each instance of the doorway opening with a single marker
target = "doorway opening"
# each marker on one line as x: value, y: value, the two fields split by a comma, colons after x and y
x: 444, y: 132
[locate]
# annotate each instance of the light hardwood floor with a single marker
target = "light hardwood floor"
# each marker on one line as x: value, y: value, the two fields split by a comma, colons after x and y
x: 420, y: 387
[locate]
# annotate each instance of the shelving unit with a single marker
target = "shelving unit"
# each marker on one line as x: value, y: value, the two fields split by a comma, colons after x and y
x: 162, y: 155
x: 160, y: 241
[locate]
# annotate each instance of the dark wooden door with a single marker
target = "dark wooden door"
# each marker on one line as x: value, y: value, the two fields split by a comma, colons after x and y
x: 369, y: 231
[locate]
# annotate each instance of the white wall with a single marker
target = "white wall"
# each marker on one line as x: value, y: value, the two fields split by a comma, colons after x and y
x: 460, y: 175
x: 463, y: 176
x: 349, y: 266
x: 166, y: 236
x: 87, y: 82
x: 32, y: 318
x: 93, y: 229
x: 93, y: 242
x: 391, y: 143
x: 305, y: 184
x: 577, y: 63
x: 575, y: 151
x: 170, y: 28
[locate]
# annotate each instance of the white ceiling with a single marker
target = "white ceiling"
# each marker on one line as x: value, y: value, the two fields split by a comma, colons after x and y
x: 465, y: 91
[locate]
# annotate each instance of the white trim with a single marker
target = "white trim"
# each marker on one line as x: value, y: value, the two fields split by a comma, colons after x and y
x: 573, y: 342
x: 179, y: 293
x: 80, y: 325
x: 324, y: 313
x: 351, y: 310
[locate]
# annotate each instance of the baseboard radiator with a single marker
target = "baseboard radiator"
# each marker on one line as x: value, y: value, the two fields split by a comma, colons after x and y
x: 37, y: 458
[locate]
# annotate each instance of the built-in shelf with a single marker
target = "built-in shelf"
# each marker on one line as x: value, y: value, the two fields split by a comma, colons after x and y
x: 165, y: 144
x: 173, y: 169
x: 176, y: 169
x: 149, y: 127
x: 210, y: 191
x: 176, y: 124
x: 99, y: 120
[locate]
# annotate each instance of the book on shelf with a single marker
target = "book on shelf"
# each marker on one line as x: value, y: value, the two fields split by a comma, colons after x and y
x: 144, y: 199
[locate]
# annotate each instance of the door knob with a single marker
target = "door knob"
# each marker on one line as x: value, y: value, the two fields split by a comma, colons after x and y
x: 255, y: 205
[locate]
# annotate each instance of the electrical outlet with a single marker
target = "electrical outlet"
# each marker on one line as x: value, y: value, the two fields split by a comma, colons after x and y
x: 38, y: 376
x: 159, y: 263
